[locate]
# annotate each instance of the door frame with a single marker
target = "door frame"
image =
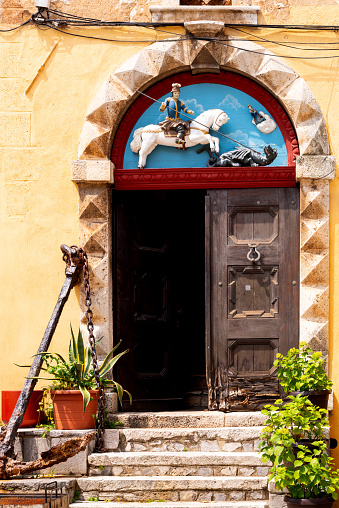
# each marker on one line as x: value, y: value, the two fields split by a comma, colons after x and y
x: 93, y: 171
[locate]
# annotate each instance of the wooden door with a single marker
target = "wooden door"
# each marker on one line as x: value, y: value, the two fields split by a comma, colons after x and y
x: 252, y: 286
x: 159, y: 301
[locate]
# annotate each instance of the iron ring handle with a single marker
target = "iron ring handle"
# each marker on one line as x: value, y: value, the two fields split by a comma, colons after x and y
x: 253, y: 255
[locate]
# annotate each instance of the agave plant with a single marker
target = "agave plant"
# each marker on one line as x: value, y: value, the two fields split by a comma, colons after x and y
x: 77, y: 373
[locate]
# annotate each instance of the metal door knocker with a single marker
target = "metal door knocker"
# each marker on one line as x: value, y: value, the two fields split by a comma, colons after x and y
x: 253, y: 255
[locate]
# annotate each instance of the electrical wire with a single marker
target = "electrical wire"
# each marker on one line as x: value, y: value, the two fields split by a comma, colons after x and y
x: 71, y: 19
x: 16, y: 27
x: 230, y: 25
x: 285, y: 44
x: 192, y: 38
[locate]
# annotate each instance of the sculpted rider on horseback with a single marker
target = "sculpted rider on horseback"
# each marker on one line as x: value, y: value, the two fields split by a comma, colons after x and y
x: 173, y: 120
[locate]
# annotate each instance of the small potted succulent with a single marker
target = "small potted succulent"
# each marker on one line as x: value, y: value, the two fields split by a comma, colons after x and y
x: 301, y: 371
x: 73, y: 387
x: 293, y: 440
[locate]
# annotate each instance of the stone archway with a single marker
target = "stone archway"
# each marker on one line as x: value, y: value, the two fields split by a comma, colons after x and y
x: 93, y: 171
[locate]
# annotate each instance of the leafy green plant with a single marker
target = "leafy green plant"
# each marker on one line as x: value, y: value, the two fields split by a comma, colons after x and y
x: 287, y: 424
x: 46, y: 409
x: 306, y: 471
x: 93, y: 498
x: 310, y: 475
x: 302, y: 370
x: 76, y: 496
x: 76, y: 373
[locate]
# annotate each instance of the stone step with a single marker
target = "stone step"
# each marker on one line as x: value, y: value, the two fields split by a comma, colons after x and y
x: 177, y: 464
x: 37, y: 485
x: 226, y: 439
x: 173, y: 488
x: 212, y: 504
x: 187, y: 419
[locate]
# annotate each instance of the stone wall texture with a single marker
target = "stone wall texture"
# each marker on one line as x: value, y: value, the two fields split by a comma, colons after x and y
x: 16, y: 11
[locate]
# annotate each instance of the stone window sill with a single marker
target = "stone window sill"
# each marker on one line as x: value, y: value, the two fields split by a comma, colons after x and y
x: 224, y: 13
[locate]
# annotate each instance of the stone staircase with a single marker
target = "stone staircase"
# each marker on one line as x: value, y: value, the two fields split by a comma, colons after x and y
x: 189, y: 459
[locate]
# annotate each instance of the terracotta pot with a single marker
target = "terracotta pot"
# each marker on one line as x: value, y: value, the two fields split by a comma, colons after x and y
x: 68, y: 409
x: 318, y: 398
x: 323, y: 501
x: 9, y: 399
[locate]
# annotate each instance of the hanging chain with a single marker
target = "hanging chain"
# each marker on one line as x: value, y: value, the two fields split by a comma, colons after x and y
x: 100, y: 426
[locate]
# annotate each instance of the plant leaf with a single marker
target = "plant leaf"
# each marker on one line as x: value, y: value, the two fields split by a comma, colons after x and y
x: 86, y: 397
x: 88, y: 363
x: 73, y: 351
x: 81, y: 348
x: 108, y: 364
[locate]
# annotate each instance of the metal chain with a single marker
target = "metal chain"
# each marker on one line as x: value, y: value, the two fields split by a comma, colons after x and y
x: 100, y: 426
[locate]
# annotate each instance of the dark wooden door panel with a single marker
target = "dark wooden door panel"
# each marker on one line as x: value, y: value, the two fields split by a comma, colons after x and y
x: 159, y: 301
x: 252, y: 297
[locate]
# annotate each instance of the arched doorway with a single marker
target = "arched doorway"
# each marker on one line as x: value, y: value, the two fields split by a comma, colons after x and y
x: 170, y: 305
x: 94, y: 173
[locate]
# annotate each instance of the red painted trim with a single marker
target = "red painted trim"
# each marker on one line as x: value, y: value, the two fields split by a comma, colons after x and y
x: 204, y: 178
x: 225, y: 78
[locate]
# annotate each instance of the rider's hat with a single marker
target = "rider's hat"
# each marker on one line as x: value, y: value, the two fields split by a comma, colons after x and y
x: 176, y: 87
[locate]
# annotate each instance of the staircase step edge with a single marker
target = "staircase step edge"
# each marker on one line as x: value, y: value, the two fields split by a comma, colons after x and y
x: 173, y: 504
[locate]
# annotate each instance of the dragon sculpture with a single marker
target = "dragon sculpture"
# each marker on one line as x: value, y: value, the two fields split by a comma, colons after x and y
x: 241, y: 157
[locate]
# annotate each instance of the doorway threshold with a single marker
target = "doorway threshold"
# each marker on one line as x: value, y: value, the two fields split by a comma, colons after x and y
x: 189, y: 419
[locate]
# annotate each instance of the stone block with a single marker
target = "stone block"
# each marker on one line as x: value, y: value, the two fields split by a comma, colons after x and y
x: 92, y: 170
x: 276, y: 500
x: 237, y: 496
x: 111, y: 439
x: 205, y: 471
x: 36, y: 441
x: 250, y: 419
x: 139, y: 448
x: 246, y: 471
x: 15, y: 129
x: 111, y: 402
x: 231, y: 447
x: 228, y: 471
x: 315, y: 166
x: 185, y: 13
x: 167, y: 419
x: 33, y: 485
x: 209, y: 446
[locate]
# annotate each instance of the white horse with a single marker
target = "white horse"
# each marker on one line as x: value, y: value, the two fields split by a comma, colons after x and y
x: 147, y: 138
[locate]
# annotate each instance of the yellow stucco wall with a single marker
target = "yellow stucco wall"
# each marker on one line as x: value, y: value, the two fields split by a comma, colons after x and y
x: 47, y: 82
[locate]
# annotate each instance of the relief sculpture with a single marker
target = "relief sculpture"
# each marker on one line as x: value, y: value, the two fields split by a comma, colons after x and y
x: 186, y: 133
x: 242, y: 146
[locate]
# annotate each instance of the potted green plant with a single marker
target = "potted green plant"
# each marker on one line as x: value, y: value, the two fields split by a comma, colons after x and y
x: 310, y: 479
x: 303, y: 468
x: 288, y: 425
x: 73, y: 387
x: 302, y: 371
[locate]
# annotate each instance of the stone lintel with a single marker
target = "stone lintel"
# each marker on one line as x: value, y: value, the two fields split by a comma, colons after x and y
x: 224, y: 13
x: 92, y: 170
x: 204, y: 28
x: 315, y: 166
